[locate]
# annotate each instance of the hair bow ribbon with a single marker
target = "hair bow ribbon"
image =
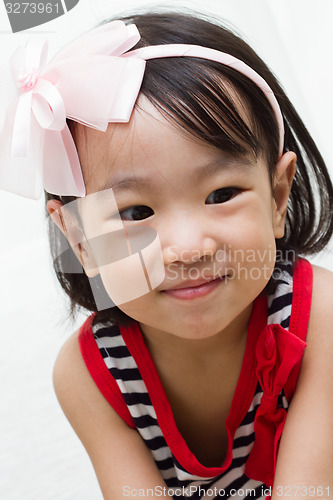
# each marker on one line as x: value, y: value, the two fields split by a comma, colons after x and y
x: 39, y: 97
x: 86, y: 81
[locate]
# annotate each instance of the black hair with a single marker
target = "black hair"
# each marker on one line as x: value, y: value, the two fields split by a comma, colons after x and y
x: 195, y: 95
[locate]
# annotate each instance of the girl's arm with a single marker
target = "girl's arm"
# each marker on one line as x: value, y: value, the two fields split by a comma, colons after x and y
x: 121, y: 460
x: 305, y: 462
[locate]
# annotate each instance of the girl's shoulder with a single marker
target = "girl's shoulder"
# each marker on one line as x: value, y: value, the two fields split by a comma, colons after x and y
x: 322, y: 300
x: 75, y: 389
x: 69, y: 375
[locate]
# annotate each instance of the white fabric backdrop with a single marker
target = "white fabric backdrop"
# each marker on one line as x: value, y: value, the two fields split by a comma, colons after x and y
x: 40, y: 456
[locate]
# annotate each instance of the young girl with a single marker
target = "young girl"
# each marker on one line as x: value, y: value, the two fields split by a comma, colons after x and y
x: 197, y: 179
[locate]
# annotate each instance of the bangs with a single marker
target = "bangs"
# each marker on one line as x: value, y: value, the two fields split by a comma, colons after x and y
x: 213, y: 103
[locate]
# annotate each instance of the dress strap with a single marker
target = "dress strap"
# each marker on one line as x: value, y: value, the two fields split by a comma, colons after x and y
x: 300, y: 313
x: 100, y: 373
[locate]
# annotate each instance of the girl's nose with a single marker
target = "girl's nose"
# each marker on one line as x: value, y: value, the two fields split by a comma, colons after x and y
x: 188, y: 242
x: 177, y: 253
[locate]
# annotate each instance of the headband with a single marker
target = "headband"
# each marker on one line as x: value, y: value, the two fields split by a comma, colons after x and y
x: 95, y: 81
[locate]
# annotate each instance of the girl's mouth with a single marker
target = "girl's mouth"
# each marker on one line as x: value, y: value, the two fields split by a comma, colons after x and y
x: 187, y: 292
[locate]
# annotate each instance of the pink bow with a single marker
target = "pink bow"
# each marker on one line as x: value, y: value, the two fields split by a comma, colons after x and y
x: 86, y: 81
x: 278, y: 352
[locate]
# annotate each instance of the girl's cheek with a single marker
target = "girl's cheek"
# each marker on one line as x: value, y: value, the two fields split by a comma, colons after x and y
x: 251, y: 245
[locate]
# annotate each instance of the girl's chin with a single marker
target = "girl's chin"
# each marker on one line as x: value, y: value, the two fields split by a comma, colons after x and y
x: 186, y: 326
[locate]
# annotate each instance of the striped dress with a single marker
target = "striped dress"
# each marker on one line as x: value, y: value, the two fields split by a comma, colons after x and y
x: 123, y: 369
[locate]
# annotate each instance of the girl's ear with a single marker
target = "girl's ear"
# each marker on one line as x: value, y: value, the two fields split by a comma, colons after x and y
x: 70, y: 228
x: 284, y: 174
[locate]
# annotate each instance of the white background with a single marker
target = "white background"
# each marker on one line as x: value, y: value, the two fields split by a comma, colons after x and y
x: 40, y: 456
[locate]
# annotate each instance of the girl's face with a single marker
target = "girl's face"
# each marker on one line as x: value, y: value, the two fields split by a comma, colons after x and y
x: 215, y: 216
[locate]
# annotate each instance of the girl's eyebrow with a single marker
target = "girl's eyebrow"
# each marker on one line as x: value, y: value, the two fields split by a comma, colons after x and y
x: 123, y: 182
x: 241, y: 164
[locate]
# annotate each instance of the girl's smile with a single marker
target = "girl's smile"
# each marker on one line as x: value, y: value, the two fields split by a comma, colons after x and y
x: 194, y: 289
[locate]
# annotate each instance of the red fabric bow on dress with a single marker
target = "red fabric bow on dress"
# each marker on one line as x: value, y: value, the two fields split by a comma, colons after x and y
x: 278, y: 352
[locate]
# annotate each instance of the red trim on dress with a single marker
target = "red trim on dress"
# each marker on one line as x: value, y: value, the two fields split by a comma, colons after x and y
x: 100, y: 373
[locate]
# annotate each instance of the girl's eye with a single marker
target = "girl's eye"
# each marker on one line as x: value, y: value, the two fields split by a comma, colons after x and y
x: 221, y: 195
x: 139, y: 212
